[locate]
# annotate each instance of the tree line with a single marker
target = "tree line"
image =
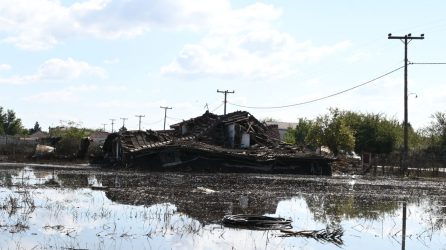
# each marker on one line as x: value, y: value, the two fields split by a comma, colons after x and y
x: 10, y: 124
x: 342, y: 130
x: 339, y: 130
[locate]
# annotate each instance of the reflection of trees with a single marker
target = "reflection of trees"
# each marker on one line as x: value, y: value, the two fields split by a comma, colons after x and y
x: 206, y: 207
x: 435, y: 211
x: 332, y: 208
x: 73, y: 180
x: 329, y: 200
x: 6, y: 177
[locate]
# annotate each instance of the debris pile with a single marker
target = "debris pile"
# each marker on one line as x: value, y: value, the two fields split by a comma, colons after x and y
x: 329, y: 235
x: 262, y: 222
x: 236, y: 142
x: 259, y: 222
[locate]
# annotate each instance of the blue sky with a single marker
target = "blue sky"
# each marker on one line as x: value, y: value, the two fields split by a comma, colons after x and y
x: 93, y: 60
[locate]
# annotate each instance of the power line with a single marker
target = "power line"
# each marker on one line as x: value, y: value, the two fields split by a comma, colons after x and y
x: 430, y: 63
x: 174, y: 118
x: 320, y: 98
x: 219, y: 106
x: 153, y: 122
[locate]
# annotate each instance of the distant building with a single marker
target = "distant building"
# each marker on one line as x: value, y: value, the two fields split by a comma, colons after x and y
x: 39, y: 135
x: 98, y: 137
x: 282, y: 127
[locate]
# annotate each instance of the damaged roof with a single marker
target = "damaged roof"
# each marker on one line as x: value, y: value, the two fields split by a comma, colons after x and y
x: 209, y: 128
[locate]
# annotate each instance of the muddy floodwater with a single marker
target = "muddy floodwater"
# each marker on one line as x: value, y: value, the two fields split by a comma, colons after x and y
x: 54, y: 207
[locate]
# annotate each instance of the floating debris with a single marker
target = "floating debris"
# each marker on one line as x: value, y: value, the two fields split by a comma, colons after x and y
x: 256, y: 222
x: 205, y: 190
x: 330, y: 235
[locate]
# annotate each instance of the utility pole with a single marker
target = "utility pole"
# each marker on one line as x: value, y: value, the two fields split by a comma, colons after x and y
x: 406, y: 39
x: 165, y: 115
x: 226, y: 92
x: 123, y: 121
x: 103, y: 124
x: 112, y: 123
x: 139, y: 116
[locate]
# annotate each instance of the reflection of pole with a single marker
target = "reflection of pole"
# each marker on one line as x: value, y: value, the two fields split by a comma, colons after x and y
x: 403, y: 237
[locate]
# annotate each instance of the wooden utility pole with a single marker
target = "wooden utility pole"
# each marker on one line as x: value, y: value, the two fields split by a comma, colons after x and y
x: 103, y: 124
x: 112, y: 123
x: 139, y: 116
x: 406, y: 39
x: 226, y: 92
x: 123, y: 121
x: 165, y: 115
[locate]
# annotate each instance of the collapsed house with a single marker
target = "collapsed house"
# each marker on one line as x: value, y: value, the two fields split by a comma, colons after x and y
x: 235, y: 142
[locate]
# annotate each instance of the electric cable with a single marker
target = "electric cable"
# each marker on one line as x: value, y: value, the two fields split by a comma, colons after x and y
x: 430, y: 63
x: 219, y: 106
x: 320, y: 98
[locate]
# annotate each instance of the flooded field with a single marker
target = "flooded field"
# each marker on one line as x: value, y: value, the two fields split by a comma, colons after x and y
x: 69, y: 208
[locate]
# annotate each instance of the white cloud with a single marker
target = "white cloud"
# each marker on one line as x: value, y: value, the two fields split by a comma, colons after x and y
x: 69, y: 94
x: 5, y: 67
x: 41, y: 24
x: 57, y: 69
x: 115, y: 88
x: 52, y: 96
x: 239, y: 42
x: 37, y: 24
x: 112, y: 61
x: 244, y: 43
x: 358, y: 57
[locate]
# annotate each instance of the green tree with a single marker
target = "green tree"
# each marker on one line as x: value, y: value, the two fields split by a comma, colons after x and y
x: 436, y: 131
x: 9, y: 123
x: 302, y: 130
x: 338, y: 135
x: 373, y: 132
x: 289, y: 136
x: 71, y: 134
x: 332, y: 131
x: 2, y: 121
x: 315, y: 136
x: 35, y: 129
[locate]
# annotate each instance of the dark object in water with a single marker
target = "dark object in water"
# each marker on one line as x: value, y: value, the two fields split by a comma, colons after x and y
x: 330, y: 235
x: 257, y: 222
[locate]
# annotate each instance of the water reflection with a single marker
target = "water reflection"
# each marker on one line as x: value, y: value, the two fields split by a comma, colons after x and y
x: 115, y: 210
x: 403, y: 236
